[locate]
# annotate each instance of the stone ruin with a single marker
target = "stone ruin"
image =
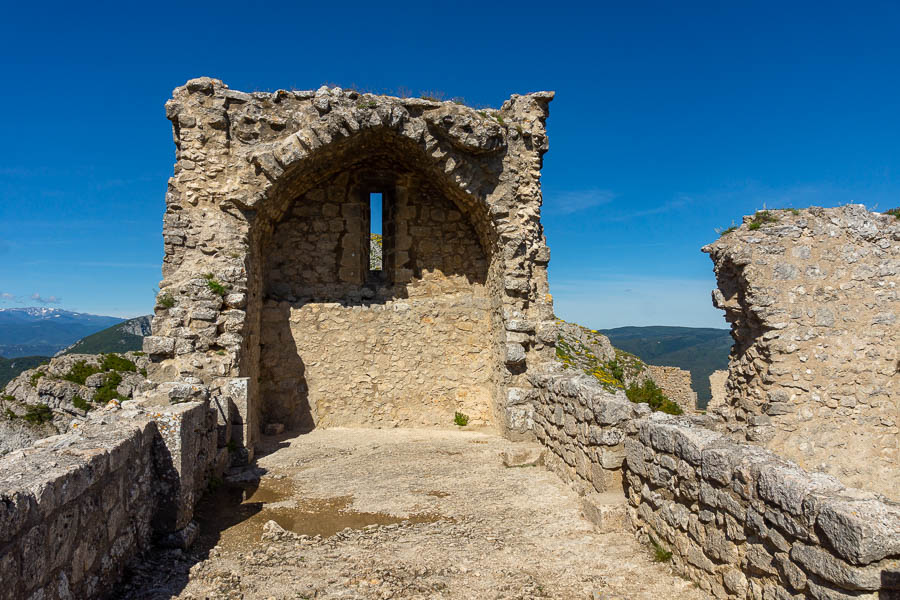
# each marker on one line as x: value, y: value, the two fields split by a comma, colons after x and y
x: 813, y: 299
x: 270, y: 314
x: 268, y: 294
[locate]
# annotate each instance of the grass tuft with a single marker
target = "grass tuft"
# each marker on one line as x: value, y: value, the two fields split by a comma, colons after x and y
x: 726, y: 231
x: 214, y: 286
x: 461, y: 419
x: 34, y: 378
x: 660, y: 554
x: 165, y: 300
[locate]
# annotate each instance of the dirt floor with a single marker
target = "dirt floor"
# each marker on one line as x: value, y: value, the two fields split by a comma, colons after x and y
x: 362, y: 513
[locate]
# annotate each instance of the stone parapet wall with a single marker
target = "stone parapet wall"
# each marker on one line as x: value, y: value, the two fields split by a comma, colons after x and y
x: 813, y: 298
x: 76, y: 507
x: 676, y: 385
x: 739, y: 521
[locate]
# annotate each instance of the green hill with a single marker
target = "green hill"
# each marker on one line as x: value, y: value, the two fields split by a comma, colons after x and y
x: 11, y: 367
x: 698, y: 350
x: 123, y: 337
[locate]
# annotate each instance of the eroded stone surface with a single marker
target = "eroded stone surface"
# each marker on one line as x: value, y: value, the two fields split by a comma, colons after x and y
x: 813, y: 302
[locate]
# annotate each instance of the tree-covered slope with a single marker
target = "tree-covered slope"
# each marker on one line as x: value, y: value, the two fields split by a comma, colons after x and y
x: 698, y: 350
x: 124, y: 337
x: 11, y: 367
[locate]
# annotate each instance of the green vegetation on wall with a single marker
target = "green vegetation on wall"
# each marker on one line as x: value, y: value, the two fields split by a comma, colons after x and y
x: 698, y: 350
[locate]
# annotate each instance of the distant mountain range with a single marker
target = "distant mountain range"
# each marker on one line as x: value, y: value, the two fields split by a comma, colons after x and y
x: 698, y: 350
x: 45, y: 331
x: 123, y: 336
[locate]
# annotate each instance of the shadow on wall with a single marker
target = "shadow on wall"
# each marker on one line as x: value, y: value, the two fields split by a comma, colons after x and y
x: 286, y: 372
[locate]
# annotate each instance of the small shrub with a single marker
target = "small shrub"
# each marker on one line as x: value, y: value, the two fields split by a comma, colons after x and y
x: 616, y: 370
x: 80, y: 371
x: 144, y: 372
x: 458, y: 100
x: 649, y: 393
x: 660, y: 554
x: 9, y: 398
x: 461, y: 419
x: 139, y: 353
x: 893, y: 211
x: 214, y: 286
x: 114, y: 362
x: 80, y: 403
x: 107, y: 391
x: 762, y: 217
x: 34, y: 378
x: 9, y: 414
x: 165, y: 300
x: 500, y: 120
x: 434, y: 96
x: 726, y: 231
x: 38, y: 414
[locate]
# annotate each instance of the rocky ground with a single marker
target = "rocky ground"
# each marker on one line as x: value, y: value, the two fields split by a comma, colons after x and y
x: 357, y: 513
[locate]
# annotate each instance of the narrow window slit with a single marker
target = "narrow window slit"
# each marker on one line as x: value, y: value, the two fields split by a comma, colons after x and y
x: 376, y: 239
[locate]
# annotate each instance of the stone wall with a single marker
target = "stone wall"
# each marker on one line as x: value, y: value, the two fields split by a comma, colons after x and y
x: 75, y: 507
x: 407, y: 345
x: 676, y: 385
x: 258, y: 174
x: 738, y: 520
x: 717, y: 383
x: 813, y: 300
x: 584, y: 427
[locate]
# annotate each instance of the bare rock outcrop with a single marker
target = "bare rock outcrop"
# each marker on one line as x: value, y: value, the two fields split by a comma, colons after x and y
x: 812, y: 298
x: 46, y: 400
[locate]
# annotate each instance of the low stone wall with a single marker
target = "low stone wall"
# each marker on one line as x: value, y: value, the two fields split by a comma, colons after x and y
x: 739, y: 520
x: 584, y: 428
x: 74, y: 508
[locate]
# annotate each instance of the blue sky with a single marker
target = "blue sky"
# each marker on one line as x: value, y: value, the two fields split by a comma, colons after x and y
x: 671, y: 120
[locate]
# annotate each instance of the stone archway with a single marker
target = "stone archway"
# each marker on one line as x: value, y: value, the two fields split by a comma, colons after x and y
x: 267, y: 298
x: 345, y: 345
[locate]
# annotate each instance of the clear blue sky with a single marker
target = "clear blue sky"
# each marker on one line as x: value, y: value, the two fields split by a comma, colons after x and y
x: 671, y: 119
